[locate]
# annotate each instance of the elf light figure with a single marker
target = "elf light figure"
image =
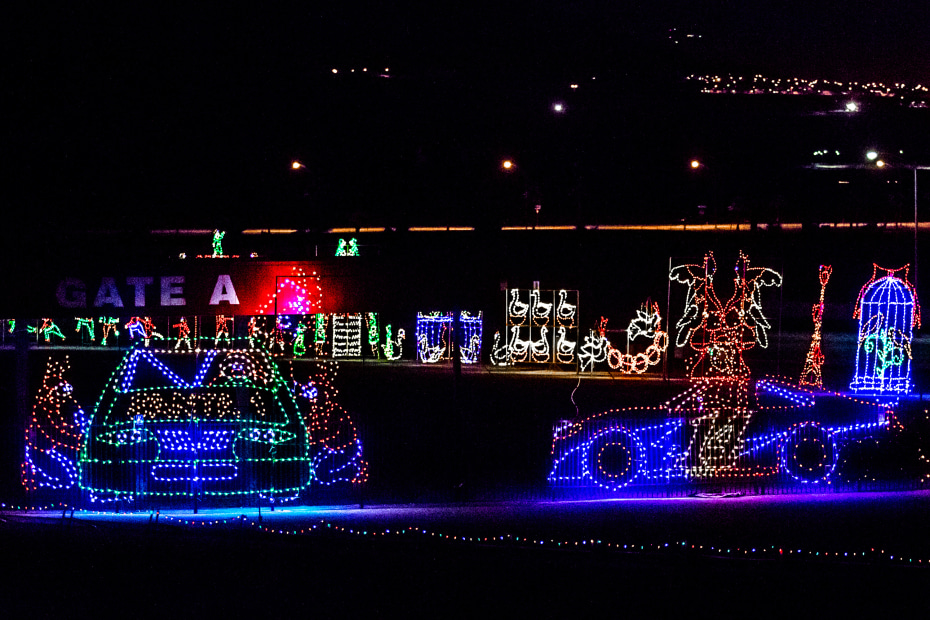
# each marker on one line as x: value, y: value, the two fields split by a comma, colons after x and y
x: 373, y: 333
x: 184, y: 334
x: 320, y: 323
x: 108, y: 327
x: 218, y: 243
x: 888, y: 312
x: 281, y: 325
x: 47, y: 330
x: 135, y: 328
x: 85, y: 325
x: 150, y: 331
x: 299, y: 347
x: 222, y: 329
x: 811, y: 374
x: 254, y: 332
x: 349, y: 248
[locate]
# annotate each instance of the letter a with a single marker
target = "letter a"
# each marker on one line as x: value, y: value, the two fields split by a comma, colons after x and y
x: 108, y: 294
x: 224, y: 291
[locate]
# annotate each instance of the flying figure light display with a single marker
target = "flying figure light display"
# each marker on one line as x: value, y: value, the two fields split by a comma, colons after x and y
x: 720, y: 329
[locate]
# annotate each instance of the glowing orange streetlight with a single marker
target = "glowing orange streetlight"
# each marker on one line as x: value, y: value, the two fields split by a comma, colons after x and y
x: 296, y: 165
x: 507, y: 164
x: 695, y: 164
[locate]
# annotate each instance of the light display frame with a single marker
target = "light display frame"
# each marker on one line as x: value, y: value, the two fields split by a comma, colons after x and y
x: 888, y: 311
x: 541, y: 327
x: 435, y: 332
x: 434, y: 337
x: 347, y: 335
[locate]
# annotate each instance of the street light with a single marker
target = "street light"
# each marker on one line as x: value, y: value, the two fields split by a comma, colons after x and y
x: 873, y: 157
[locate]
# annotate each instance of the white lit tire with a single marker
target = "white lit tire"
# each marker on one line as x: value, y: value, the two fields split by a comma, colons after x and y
x: 809, y: 453
x: 613, y: 458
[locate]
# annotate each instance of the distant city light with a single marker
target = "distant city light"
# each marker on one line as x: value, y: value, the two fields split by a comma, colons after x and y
x: 912, y: 96
x: 880, y: 163
x: 296, y: 165
x: 558, y: 107
x: 507, y: 164
x: 695, y: 164
x: 574, y: 86
x: 335, y: 70
x: 871, y: 155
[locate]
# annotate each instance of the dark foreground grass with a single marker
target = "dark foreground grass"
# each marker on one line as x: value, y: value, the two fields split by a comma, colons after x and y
x: 81, y: 568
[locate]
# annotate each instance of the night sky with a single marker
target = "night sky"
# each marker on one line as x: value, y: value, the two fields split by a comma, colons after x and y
x: 137, y: 119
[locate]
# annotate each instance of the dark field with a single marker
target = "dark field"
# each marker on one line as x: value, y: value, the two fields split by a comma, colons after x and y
x: 109, y: 566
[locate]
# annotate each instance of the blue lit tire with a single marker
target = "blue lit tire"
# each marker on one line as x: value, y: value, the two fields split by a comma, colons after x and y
x: 809, y: 453
x: 613, y: 458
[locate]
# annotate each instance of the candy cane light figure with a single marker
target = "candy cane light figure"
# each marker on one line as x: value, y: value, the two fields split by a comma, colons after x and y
x: 888, y: 312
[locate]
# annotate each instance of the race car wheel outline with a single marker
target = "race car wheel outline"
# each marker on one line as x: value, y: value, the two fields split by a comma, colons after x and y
x: 809, y: 453
x: 613, y: 458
